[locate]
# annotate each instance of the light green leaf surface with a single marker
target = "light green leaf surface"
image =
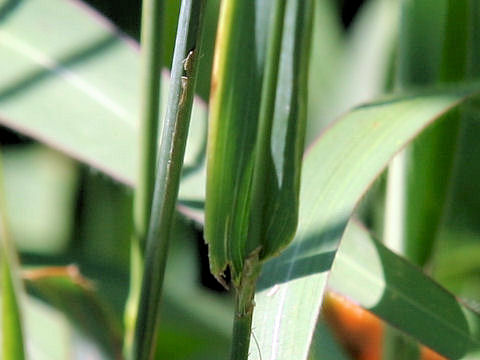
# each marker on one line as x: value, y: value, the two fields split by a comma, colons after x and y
x: 87, y: 75
x: 338, y: 169
x: 40, y: 190
x: 54, y: 344
x: 348, y: 70
x: 379, y: 280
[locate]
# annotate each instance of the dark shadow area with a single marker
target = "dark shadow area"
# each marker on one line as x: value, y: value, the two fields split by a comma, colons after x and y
x: 349, y: 9
x: 10, y: 137
x: 206, y: 277
x: 123, y: 13
x: 7, y: 8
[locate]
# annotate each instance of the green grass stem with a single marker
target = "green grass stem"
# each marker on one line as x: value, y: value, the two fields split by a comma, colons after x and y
x: 167, y: 179
x: 150, y: 83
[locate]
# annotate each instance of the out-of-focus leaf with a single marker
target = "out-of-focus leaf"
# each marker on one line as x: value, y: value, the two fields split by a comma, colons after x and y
x: 12, y: 333
x: 324, y: 345
x: 191, y: 316
x: 12, y: 340
x: 68, y: 291
x: 40, y: 189
x: 422, y: 30
x: 327, y: 46
x: 338, y: 169
x: 419, y: 177
x: 457, y: 264
x: 54, y: 344
x: 398, y: 292
x: 87, y: 75
x: 348, y: 71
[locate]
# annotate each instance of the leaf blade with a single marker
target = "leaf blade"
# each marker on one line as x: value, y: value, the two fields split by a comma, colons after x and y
x: 89, y: 85
x: 403, y: 287
x: 291, y: 287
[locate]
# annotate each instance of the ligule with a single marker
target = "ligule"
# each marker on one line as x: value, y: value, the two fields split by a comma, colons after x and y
x: 255, y: 146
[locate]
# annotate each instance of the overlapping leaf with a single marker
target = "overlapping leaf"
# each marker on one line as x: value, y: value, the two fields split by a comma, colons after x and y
x: 257, y: 127
x: 338, y: 169
x: 379, y: 280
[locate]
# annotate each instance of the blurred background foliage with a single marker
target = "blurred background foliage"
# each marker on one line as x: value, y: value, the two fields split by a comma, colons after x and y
x: 62, y: 212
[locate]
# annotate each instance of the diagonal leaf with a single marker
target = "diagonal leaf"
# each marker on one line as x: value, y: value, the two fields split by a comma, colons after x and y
x: 379, y: 280
x: 87, y: 75
x: 337, y: 171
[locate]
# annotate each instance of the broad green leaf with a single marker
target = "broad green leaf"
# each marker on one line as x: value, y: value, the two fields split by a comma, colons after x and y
x: 337, y: 171
x: 68, y: 291
x: 87, y: 75
x: 398, y: 292
x: 256, y: 134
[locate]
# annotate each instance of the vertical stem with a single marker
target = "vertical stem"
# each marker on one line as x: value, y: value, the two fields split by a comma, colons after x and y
x: 11, y: 290
x: 151, y: 65
x: 170, y: 161
x: 244, y: 304
x: 242, y: 325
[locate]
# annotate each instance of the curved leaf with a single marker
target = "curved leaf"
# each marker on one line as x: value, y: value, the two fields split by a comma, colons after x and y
x: 379, y: 280
x: 338, y: 169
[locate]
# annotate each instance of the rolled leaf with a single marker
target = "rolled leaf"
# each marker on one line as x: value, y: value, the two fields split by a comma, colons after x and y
x: 256, y: 134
